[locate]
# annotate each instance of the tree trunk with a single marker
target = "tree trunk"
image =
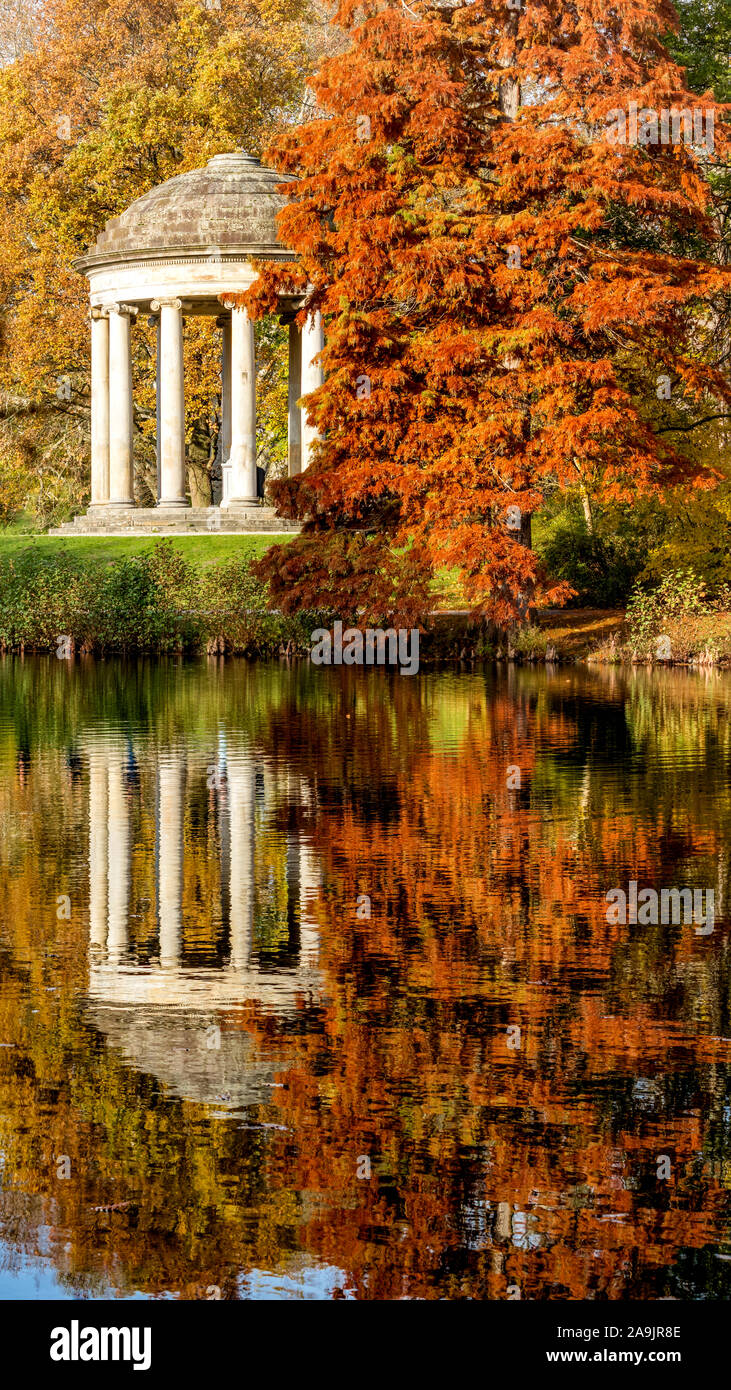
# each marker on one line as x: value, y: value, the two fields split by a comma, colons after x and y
x: 588, y: 514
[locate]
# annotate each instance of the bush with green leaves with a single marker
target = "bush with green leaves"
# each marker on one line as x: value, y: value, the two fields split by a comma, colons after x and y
x: 650, y: 612
x: 153, y: 602
x: 39, y: 600
x: 529, y: 642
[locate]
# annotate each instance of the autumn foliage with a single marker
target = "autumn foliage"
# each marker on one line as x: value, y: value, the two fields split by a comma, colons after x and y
x: 105, y: 100
x: 502, y: 289
x: 491, y: 1166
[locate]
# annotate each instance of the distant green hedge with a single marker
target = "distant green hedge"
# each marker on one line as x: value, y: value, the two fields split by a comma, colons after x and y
x: 152, y: 602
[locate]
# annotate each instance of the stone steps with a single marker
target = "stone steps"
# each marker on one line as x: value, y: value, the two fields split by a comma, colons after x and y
x: 153, y: 521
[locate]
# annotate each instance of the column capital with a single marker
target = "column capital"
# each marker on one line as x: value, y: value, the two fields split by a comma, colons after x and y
x: 99, y: 313
x: 131, y: 310
x: 157, y: 304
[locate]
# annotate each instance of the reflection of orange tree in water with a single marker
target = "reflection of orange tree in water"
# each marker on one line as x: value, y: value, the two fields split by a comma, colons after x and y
x: 484, y: 909
x: 491, y: 1167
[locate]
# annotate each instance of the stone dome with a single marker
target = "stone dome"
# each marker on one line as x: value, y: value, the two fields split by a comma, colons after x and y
x: 230, y: 206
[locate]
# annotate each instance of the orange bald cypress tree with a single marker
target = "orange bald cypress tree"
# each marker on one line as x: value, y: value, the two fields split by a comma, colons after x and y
x: 503, y: 285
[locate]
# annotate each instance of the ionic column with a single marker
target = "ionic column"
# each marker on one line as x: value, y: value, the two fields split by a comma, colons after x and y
x: 171, y: 789
x: 98, y: 847
x: 118, y: 864
x: 241, y: 777
x: 313, y: 341
x: 171, y: 391
x: 121, y: 448
x: 154, y: 322
x: 99, y: 407
x: 243, y: 411
x: 294, y: 414
x: 225, y: 326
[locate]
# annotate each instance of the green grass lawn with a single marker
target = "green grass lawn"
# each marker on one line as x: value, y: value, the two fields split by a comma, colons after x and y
x: 199, y: 550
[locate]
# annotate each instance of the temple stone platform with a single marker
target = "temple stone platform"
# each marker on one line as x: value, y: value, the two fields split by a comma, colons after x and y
x: 179, y: 521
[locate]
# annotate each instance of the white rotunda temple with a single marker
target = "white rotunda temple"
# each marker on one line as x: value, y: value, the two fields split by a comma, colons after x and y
x: 178, y: 251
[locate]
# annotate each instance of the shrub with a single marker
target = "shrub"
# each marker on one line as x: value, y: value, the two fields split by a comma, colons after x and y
x: 650, y: 612
x: 529, y: 642
x: 153, y: 602
x: 39, y: 599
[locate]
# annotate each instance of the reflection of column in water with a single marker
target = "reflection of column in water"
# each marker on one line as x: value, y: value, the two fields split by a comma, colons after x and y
x: 223, y: 830
x: 503, y: 1221
x: 241, y: 789
x: 119, y: 857
x: 293, y: 866
x: 309, y: 876
x: 171, y: 788
x: 98, y: 847
x: 308, y: 881
x: 269, y: 779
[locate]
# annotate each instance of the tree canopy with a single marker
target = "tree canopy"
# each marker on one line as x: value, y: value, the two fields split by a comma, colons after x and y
x: 505, y: 289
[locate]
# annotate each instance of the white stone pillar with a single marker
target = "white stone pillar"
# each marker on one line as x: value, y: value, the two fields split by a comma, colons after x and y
x: 99, y: 407
x: 294, y: 414
x: 154, y: 322
x: 121, y: 448
x: 98, y: 847
x: 313, y: 341
x: 118, y: 864
x: 243, y: 412
x: 171, y: 390
x: 224, y: 323
x: 241, y: 778
x: 171, y: 807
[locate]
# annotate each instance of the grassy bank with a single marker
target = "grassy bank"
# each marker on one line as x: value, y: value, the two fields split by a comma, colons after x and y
x: 187, y: 594
x: 182, y: 594
x: 198, y: 594
x: 98, y: 550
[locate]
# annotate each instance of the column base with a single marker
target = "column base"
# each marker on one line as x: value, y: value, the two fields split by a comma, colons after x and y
x: 234, y: 504
x: 174, y: 505
x: 181, y: 521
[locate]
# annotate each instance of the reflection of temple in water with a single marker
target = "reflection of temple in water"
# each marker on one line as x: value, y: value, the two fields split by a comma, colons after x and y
x: 162, y: 1013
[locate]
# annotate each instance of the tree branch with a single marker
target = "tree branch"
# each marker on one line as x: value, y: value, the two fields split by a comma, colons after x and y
x: 677, y: 429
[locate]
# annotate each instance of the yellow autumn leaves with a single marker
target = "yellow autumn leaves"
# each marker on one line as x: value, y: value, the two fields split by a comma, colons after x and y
x: 113, y: 98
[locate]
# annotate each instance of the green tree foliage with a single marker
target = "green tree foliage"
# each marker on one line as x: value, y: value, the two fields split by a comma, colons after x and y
x: 703, y: 45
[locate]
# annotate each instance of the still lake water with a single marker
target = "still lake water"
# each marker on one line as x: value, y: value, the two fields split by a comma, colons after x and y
x: 307, y: 987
